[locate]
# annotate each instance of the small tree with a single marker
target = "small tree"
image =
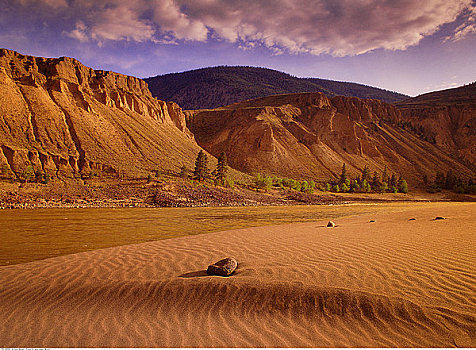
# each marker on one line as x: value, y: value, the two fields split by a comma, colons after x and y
x: 365, y: 186
x: 343, y: 174
x: 312, y: 186
x: 201, y: 167
x: 440, y: 180
x: 385, y: 175
x: 450, y: 180
x: 403, y: 187
x: 344, y: 187
x: 29, y: 173
x: 355, y: 187
x: 222, y: 168
x: 393, y: 181
x: 365, y: 174
x: 184, y: 172
x: 375, y: 180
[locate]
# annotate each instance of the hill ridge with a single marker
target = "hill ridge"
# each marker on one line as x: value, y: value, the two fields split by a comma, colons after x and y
x: 212, y: 87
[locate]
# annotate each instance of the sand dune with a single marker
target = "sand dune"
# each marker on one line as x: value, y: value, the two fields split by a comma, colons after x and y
x: 391, y: 282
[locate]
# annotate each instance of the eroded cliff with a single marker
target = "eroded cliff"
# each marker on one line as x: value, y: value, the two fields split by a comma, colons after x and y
x: 64, y: 118
x: 448, y: 117
x: 309, y: 136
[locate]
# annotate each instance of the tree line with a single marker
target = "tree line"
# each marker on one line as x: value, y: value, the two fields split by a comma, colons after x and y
x: 363, y: 183
x: 451, y: 182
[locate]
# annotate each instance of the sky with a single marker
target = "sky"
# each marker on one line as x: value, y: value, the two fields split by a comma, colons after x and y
x: 406, y: 46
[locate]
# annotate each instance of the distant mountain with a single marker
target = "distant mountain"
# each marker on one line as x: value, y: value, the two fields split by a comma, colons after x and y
x: 448, y: 118
x: 221, y: 86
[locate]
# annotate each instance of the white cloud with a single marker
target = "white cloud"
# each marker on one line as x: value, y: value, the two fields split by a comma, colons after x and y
x: 79, y: 33
x: 168, y: 16
x: 121, y: 23
x: 467, y: 28
x: 336, y: 27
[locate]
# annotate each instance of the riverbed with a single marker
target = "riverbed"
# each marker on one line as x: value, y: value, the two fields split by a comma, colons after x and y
x: 35, y: 234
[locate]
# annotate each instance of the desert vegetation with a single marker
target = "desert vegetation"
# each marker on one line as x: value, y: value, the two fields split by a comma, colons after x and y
x: 450, y: 181
x: 363, y: 183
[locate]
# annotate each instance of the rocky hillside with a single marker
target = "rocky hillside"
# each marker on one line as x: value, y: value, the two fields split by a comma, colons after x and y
x: 448, y: 118
x: 308, y: 135
x: 221, y: 86
x: 67, y: 119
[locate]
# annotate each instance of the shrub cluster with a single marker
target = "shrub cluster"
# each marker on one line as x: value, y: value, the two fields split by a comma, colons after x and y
x: 451, y: 182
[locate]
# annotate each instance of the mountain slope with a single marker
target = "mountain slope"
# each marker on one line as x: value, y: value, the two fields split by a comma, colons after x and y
x: 308, y: 135
x: 67, y: 119
x: 448, y: 117
x: 221, y: 86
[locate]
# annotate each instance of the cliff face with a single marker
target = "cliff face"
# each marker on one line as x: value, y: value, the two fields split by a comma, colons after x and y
x: 64, y: 118
x: 310, y: 136
x: 448, y: 117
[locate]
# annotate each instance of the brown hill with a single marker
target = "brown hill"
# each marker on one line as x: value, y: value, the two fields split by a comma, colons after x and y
x: 308, y: 135
x: 448, y: 118
x: 64, y: 118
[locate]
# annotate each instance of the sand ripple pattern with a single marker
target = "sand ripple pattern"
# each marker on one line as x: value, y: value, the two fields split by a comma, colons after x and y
x: 391, y: 283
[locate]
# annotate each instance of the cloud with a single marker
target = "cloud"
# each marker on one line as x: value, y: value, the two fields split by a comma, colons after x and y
x: 79, y: 33
x: 167, y: 14
x: 50, y: 3
x: 121, y: 23
x: 335, y: 27
x: 467, y: 28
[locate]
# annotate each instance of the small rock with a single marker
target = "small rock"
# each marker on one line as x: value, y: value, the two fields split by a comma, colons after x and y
x: 331, y: 224
x: 411, y: 219
x: 372, y: 221
x: 224, y: 267
x: 439, y: 218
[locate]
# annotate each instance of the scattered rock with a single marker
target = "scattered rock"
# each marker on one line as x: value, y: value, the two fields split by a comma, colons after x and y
x: 331, y: 224
x: 224, y: 267
x: 439, y: 218
x: 411, y: 219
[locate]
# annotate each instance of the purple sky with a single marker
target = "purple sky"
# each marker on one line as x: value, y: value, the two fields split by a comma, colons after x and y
x: 401, y: 45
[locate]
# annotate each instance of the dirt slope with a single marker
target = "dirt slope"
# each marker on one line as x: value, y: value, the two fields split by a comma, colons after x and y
x: 308, y: 135
x: 64, y: 118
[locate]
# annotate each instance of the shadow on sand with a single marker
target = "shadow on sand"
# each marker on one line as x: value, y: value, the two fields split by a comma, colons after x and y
x: 201, y: 273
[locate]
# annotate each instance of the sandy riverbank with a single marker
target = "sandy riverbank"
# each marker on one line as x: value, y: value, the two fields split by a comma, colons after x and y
x: 392, y: 282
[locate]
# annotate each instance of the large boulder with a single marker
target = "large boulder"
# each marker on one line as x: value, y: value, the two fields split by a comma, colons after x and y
x: 224, y: 267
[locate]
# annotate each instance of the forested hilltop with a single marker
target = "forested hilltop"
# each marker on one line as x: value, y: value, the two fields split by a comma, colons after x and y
x: 221, y: 86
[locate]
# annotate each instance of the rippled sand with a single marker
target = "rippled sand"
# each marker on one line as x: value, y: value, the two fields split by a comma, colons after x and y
x: 391, y: 282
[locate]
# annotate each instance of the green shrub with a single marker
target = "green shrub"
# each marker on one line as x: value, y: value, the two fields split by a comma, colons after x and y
x: 403, y: 187
x: 29, y: 173
x: 263, y: 182
x: 229, y: 182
